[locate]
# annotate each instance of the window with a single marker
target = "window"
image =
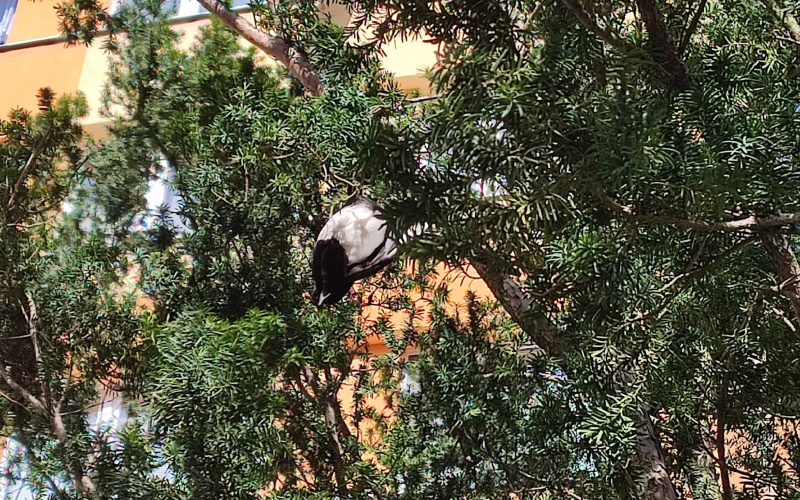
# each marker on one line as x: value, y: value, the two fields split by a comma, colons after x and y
x: 7, y: 9
x: 191, y: 7
x: 178, y: 8
x: 410, y: 382
x: 161, y: 194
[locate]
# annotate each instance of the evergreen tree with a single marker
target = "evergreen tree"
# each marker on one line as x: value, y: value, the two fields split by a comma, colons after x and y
x: 622, y: 176
x: 67, y: 325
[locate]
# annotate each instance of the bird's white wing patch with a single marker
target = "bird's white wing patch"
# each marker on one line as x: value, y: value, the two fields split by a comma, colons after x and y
x: 357, y: 229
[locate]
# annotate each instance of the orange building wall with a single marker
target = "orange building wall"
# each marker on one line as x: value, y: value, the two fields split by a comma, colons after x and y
x: 37, y: 19
x: 33, y: 20
x: 24, y: 71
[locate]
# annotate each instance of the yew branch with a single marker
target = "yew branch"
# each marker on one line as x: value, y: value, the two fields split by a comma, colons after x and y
x: 274, y: 46
x: 748, y: 223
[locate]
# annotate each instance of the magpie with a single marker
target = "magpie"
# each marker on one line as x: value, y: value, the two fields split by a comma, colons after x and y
x: 354, y: 244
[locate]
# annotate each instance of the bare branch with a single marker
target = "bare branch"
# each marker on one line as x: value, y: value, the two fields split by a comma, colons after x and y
x: 23, y: 393
x: 749, y: 223
x: 273, y: 46
x: 786, y: 17
x: 687, y: 35
x: 675, y: 74
x: 604, y: 34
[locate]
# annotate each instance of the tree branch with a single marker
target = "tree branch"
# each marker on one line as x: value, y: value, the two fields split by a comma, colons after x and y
x: 30, y: 456
x: 686, y: 276
x: 675, y: 74
x: 273, y: 46
x: 546, y: 335
x: 504, y: 288
x: 23, y: 393
x: 334, y: 426
x: 780, y: 251
x: 693, y: 273
x: 37, y: 150
x: 33, y: 327
x: 749, y: 223
x: 604, y: 34
x: 68, y: 387
x: 82, y: 482
x: 687, y: 35
x: 724, y: 475
x: 549, y: 337
x: 788, y: 20
x: 46, y: 409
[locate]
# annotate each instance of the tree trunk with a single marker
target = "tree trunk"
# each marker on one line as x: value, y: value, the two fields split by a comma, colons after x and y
x: 546, y: 335
x: 82, y: 482
x: 664, y: 51
x: 780, y: 251
x: 657, y: 483
x: 702, y: 476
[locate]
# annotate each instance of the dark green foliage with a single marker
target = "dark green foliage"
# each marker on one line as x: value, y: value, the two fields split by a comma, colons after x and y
x: 611, y: 182
x: 601, y: 171
x: 244, y: 380
x: 66, y: 323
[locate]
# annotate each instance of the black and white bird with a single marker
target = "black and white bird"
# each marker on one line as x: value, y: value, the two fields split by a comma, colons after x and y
x: 354, y: 244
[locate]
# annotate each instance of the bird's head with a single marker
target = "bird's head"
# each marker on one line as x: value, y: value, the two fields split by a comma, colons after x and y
x: 324, y: 295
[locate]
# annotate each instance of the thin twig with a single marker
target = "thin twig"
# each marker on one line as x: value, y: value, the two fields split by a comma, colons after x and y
x: 693, y: 273
x: 790, y: 40
x: 658, y: 311
x: 687, y: 35
x: 604, y: 34
x: 415, y: 100
x: 12, y: 400
x: 37, y: 150
x: 749, y: 223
